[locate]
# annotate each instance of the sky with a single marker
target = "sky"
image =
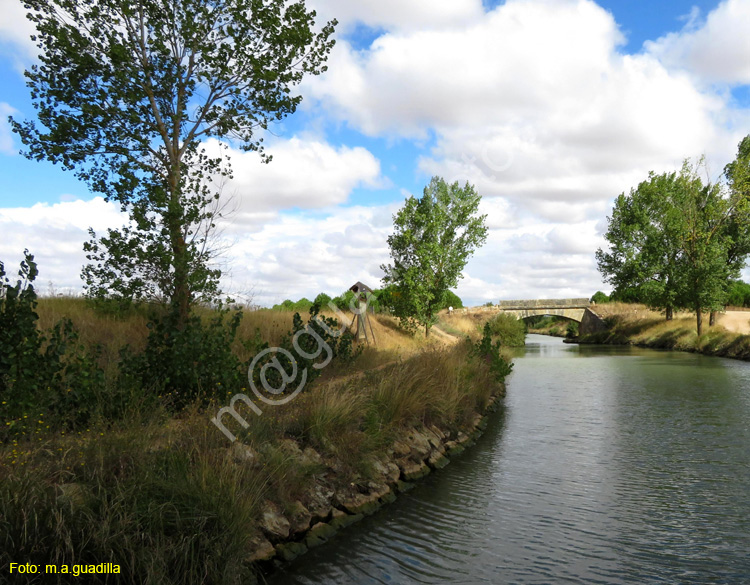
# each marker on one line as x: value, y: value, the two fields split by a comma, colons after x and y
x: 550, y: 108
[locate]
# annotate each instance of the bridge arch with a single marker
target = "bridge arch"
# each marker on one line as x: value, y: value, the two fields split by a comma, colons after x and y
x: 574, y: 309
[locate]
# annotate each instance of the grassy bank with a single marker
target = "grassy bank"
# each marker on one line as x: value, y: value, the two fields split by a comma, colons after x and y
x: 637, y: 325
x: 164, y: 495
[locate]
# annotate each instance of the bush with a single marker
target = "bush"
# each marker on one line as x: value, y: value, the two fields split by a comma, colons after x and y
x: 302, y: 305
x: 490, y: 352
x: 47, y: 373
x: 572, y: 330
x: 452, y: 300
x: 599, y: 298
x: 321, y: 301
x: 195, y: 362
x: 343, y: 300
x: 510, y: 331
x: 739, y: 294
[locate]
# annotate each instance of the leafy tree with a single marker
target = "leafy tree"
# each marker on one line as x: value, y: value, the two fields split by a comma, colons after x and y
x: 737, y: 227
x: 739, y: 294
x: 709, y: 256
x: 321, y: 301
x: 433, y: 239
x: 677, y: 242
x: 126, y: 93
x: 600, y: 298
x: 644, y: 239
x: 452, y: 300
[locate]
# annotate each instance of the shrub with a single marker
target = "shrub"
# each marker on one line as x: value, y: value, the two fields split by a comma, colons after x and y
x: 41, y: 372
x: 452, y: 300
x: 600, y: 298
x: 490, y: 352
x: 572, y: 330
x: 739, y: 294
x: 186, y: 364
x: 510, y: 331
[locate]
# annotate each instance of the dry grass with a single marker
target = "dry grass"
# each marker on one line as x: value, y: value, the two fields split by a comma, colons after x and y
x: 168, y: 501
x: 638, y: 325
x: 464, y: 324
x: 113, y: 332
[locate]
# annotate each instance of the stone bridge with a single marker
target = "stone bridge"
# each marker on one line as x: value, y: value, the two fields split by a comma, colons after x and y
x: 574, y: 309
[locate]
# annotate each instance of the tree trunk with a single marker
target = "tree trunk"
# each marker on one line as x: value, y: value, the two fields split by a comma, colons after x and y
x: 712, y: 319
x: 699, y: 320
x: 670, y: 313
x: 426, y: 331
x: 180, y: 261
x: 181, y: 290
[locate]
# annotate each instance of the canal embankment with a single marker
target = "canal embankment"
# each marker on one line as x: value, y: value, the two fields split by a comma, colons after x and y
x: 636, y: 325
x: 167, y: 498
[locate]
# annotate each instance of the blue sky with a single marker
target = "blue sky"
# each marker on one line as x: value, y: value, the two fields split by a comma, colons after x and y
x: 550, y: 107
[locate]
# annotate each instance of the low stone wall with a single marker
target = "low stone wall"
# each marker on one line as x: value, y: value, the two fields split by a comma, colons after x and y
x: 323, y: 510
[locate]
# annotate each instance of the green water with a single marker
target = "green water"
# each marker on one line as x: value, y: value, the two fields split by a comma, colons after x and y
x: 606, y: 465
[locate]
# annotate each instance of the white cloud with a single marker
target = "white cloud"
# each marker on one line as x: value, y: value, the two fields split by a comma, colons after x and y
x: 55, y: 235
x: 533, y: 103
x: 7, y: 145
x: 307, y: 174
x: 398, y: 14
x: 16, y: 30
x: 716, y: 50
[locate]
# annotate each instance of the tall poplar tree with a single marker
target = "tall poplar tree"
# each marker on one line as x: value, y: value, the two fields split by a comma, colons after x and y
x: 433, y: 238
x: 126, y: 93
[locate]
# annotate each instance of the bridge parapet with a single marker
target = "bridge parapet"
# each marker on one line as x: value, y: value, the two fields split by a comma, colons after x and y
x: 544, y: 304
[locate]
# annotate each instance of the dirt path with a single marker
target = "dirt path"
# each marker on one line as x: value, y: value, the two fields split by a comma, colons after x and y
x: 735, y: 321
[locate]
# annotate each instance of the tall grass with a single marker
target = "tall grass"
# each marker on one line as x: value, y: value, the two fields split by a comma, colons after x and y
x: 167, y: 499
x: 646, y: 328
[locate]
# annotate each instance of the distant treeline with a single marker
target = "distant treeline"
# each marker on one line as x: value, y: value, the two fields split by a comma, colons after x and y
x: 382, y: 301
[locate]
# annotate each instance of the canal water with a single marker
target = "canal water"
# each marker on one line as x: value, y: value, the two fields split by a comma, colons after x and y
x: 606, y: 465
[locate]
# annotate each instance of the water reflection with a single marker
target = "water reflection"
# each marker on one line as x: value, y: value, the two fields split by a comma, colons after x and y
x: 633, y: 467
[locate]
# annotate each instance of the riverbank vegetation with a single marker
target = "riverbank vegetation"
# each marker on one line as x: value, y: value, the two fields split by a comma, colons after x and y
x: 105, y: 459
x: 636, y: 324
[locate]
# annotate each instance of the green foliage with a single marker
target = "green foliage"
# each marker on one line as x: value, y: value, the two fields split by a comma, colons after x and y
x: 600, y: 298
x: 321, y: 301
x: 572, y: 330
x: 320, y: 341
x: 510, y: 331
x: 41, y: 373
x: 188, y: 363
x: 433, y: 238
x: 302, y: 305
x: 644, y: 239
x: 675, y: 242
x: 127, y: 93
x: 345, y: 300
x: 488, y: 351
x: 452, y: 300
x: 739, y: 294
